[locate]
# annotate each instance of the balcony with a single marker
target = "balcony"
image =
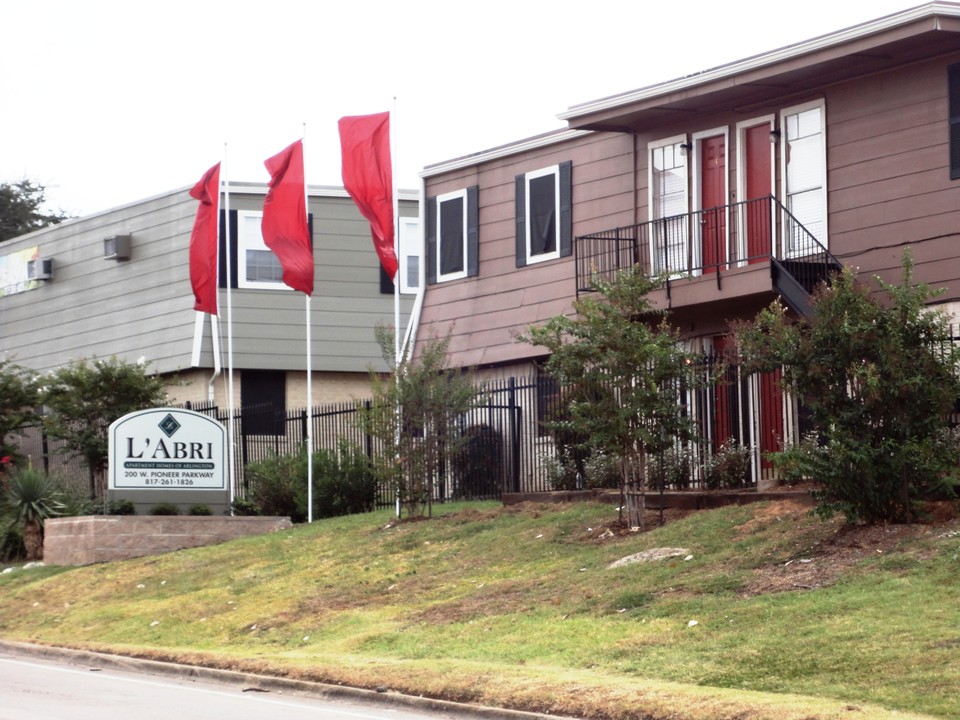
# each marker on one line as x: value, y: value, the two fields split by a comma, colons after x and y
x: 747, y: 248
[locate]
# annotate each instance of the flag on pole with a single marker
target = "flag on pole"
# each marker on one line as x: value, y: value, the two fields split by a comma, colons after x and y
x: 284, y: 227
x: 203, y: 241
x: 368, y: 177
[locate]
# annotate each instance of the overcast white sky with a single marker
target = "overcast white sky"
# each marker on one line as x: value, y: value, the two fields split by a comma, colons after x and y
x: 108, y: 102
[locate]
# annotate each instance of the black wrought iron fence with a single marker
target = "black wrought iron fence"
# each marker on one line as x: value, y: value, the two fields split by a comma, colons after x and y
x: 510, y: 442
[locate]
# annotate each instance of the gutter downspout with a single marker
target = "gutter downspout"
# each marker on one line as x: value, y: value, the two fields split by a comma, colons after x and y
x: 215, y: 333
x: 410, y: 337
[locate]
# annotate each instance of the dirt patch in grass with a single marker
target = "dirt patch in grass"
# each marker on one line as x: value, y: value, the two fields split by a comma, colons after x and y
x: 840, y: 546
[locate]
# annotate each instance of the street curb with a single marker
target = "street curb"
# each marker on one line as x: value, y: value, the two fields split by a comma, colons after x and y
x: 253, y: 681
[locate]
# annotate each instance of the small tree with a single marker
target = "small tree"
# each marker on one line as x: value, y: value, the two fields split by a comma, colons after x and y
x: 415, y: 413
x: 83, y: 398
x: 20, y: 213
x: 628, y: 370
x: 18, y: 397
x: 878, y: 376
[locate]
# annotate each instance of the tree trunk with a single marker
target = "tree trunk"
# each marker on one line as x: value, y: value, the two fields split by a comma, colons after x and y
x: 33, y: 540
x: 635, y: 496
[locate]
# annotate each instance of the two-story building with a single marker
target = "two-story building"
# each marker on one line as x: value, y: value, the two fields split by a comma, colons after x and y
x: 742, y: 184
x: 117, y: 283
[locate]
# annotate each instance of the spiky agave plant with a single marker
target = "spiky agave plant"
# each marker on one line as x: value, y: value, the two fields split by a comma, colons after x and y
x: 31, y: 498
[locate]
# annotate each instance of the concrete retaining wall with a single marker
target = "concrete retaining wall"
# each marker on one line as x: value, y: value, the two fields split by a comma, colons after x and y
x: 104, y: 538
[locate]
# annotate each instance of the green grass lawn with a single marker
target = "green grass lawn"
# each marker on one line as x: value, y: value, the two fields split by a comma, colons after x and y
x: 771, y: 612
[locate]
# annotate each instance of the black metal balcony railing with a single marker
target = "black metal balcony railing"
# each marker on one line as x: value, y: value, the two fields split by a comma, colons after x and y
x: 707, y: 243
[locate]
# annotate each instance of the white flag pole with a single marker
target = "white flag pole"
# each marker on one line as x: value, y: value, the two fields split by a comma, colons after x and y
x: 396, y: 278
x: 231, y: 426
x: 396, y: 232
x: 306, y: 204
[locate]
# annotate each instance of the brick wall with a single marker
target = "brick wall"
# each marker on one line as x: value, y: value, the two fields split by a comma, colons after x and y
x: 104, y: 538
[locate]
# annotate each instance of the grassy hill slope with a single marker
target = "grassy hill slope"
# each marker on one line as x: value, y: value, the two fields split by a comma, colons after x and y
x: 765, y: 612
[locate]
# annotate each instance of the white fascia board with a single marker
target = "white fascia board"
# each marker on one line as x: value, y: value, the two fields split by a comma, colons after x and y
x: 928, y: 11
x: 502, y: 151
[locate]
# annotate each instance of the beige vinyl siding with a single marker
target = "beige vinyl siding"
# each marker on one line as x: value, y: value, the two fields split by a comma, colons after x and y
x: 144, y: 307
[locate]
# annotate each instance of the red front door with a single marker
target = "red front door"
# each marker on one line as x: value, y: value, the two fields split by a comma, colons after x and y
x: 713, y: 201
x: 758, y: 220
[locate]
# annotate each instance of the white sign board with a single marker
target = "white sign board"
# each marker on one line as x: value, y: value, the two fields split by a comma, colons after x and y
x: 167, y: 448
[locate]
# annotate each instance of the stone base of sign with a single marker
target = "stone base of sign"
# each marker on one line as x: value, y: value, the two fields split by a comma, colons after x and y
x: 105, y: 538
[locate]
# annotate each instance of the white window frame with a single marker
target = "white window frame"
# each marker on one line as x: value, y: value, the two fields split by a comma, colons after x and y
x: 652, y: 205
x: 553, y: 170
x: 784, y: 114
x: 252, y: 241
x: 411, y: 249
x: 446, y: 197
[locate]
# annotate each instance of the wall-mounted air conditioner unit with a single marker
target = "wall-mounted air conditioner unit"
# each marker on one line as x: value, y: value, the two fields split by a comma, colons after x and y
x: 116, y: 247
x: 40, y: 269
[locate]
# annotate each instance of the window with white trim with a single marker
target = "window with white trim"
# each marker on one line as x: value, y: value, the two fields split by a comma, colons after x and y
x: 257, y: 266
x: 804, y: 161
x: 669, y: 199
x: 411, y: 251
x: 452, y: 237
x: 544, y: 214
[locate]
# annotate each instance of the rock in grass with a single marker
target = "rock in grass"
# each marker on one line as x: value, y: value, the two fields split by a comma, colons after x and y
x: 649, y: 555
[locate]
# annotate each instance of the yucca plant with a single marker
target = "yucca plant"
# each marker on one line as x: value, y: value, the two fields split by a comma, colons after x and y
x: 31, y: 498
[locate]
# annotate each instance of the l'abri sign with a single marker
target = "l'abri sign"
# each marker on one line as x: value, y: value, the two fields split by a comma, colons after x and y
x: 167, y: 448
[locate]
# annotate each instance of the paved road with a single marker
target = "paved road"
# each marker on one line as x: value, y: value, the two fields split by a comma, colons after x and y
x: 38, y: 688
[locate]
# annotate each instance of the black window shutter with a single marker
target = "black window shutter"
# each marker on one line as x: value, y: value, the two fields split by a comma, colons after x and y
x: 431, y: 241
x: 386, y: 284
x: 473, y: 231
x: 263, y: 401
x: 953, y: 77
x: 222, y: 259
x: 566, y: 208
x: 521, y: 220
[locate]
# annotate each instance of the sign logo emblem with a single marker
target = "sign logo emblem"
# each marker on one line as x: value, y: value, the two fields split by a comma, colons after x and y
x: 169, y: 425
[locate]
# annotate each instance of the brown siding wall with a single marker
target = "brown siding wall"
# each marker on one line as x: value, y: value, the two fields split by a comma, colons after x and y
x: 888, y: 183
x: 889, y: 178
x: 484, y: 314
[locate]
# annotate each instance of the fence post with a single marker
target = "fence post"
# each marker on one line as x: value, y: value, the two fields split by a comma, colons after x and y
x: 304, y: 419
x: 367, y: 437
x: 515, y: 434
x: 45, y: 449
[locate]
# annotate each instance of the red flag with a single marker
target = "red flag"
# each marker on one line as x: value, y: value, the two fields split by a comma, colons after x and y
x: 203, y: 241
x: 368, y: 177
x: 284, y: 226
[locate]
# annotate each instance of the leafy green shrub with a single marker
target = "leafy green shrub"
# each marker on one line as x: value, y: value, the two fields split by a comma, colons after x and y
x: 673, y: 467
x: 798, y: 463
x: 729, y: 467
x: 601, y: 471
x: 121, y: 507
x: 165, y: 508
x: 11, y: 539
x: 244, y: 507
x: 278, y: 486
x: 478, y: 463
x: 343, y: 482
x: 199, y: 510
x: 561, y: 472
x: 877, y: 375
